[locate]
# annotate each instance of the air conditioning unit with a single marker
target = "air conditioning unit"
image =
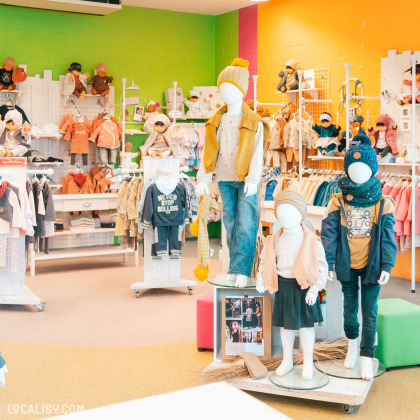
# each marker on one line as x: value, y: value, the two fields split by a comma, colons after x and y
x: 96, y: 7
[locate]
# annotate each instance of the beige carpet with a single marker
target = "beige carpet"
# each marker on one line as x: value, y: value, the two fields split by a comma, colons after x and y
x: 96, y: 344
x: 90, y: 303
x: 98, y: 376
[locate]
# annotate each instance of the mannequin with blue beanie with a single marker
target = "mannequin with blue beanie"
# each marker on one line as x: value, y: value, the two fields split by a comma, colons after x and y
x: 358, y: 238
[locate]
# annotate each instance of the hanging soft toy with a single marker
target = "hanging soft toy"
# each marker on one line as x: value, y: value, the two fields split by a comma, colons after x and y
x: 384, y: 136
x: 100, y: 82
x: 408, y: 99
x: 199, y: 228
x: 289, y: 79
x: 75, y: 82
x: 9, y: 75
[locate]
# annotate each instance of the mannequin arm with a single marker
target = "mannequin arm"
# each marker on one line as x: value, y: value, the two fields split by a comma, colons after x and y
x: 388, y: 245
x: 330, y: 232
x: 203, y: 179
x: 260, y: 281
x: 312, y: 295
x: 250, y: 189
x: 384, y: 278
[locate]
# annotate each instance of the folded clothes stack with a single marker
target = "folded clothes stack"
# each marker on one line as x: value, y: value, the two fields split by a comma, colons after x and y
x: 108, y: 215
x: 81, y: 222
x: 58, y: 227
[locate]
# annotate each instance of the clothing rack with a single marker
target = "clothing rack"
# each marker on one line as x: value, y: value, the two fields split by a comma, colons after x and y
x: 48, y: 172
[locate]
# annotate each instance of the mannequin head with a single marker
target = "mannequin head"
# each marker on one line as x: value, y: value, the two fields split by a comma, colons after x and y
x: 360, y: 161
x: 230, y: 94
x: 359, y: 172
x: 288, y: 216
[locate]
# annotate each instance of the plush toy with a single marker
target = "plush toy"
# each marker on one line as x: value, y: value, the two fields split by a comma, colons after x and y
x: 75, y: 82
x: 14, y: 136
x: 328, y: 135
x: 262, y: 112
x: 289, y: 78
x: 197, y: 107
x: 152, y: 109
x: 408, y: 99
x: 356, y: 128
x: 408, y: 153
x: 157, y: 145
x: 100, y: 82
x: 126, y: 157
x: 384, y: 136
x: 9, y: 75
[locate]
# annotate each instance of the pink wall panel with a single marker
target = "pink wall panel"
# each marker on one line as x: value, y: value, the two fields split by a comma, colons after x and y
x: 248, y: 45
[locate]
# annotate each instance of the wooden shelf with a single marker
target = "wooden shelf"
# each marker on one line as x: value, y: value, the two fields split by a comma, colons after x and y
x: 95, y: 230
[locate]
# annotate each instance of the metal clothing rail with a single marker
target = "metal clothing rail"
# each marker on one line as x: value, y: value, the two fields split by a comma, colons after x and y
x: 49, y: 172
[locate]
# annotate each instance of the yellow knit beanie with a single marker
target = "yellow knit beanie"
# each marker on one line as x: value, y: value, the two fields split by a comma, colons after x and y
x: 237, y: 74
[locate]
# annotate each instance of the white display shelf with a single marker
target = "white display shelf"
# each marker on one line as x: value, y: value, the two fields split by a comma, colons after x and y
x: 294, y: 94
x: 398, y: 164
x: 46, y: 136
x: 129, y: 133
x: 37, y: 164
x: 95, y: 230
x: 163, y: 285
x: 11, y: 91
x: 349, y: 392
x: 326, y: 157
x: 29, y: 298
x: 84, y: 253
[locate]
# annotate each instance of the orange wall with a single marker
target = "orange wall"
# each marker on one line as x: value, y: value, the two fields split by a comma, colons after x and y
x: 327, y: 34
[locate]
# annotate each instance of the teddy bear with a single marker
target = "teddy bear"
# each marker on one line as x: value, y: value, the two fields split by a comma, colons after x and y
x: 10, y: 74
x: 100, y: 82
x: 75, y: 82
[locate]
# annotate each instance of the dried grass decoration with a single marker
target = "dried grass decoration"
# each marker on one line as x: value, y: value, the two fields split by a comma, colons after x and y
x: 330, y: 350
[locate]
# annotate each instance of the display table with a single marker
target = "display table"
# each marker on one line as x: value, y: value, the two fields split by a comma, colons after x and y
x: 219, y: 401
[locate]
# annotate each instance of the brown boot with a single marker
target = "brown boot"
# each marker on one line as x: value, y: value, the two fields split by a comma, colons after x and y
x: 104, y: 93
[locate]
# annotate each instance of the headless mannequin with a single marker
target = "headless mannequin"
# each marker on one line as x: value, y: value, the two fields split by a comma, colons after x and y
x: 166, y: 183
x: 233, y: 98
x: 290, y: 220
x: 359, y: 173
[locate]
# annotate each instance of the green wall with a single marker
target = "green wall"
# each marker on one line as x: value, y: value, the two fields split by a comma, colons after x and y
x: 226, y: 39
x: 154, y: 46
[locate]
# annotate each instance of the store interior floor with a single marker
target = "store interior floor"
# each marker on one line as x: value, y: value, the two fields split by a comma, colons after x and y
x: 96, y: 344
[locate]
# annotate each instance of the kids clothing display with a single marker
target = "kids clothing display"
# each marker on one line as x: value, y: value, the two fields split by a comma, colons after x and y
x: 166, y: 211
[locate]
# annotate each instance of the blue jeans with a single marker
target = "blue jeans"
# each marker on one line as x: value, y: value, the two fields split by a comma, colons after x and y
x: 370, y: 294
x: 240, y: 217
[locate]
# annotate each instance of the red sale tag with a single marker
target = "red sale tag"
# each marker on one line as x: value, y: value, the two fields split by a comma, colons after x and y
x: 13, y: 161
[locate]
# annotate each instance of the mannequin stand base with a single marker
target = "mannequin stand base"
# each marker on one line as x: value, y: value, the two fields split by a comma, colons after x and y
x: 351, y: 393
x: 29, y: 298
x: 163, y: 285
x: 336, y: 368
x: 222, y: 281
x: 293, y: 380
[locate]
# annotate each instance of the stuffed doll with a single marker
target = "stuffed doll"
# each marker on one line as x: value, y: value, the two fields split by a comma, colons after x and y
x: 408, y: 99
x: 356, y: 128
x: 14, y: 136
x: 407, y: 154
x: 157, y: 145
x: 126, y: 157
x: 9, y: 75
x: 262, y: 112
x: 75, y: 82
x: 152, y: 111
x: 289, y: 78
x: 328, y: 135
x: 195, y: 105
x: 384, y: 136
x: 100, y: 82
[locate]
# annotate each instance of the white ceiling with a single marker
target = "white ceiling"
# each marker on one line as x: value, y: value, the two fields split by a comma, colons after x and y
x: 205, y: 7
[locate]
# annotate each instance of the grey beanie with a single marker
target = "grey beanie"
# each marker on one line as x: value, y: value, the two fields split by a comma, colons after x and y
x: 357, y: 118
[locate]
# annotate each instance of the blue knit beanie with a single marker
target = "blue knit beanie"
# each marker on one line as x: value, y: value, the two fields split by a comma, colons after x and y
x: 361, y: 151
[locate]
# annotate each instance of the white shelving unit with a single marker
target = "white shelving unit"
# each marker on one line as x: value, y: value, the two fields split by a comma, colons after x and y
x: 84, y: 202
x: 165, y: 273
x: 294, y: 94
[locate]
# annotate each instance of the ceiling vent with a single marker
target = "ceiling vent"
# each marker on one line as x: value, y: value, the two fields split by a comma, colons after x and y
x: 96, y: 7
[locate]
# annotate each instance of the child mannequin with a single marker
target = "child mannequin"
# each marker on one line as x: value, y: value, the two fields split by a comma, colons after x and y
x: 14, y: 138
x: 358, y: 237
x: 157, y: 145
x: 384, y: 136
x: 293, y: 266
x: 328, y: 135
x: 126, y: 157
x: 75, y: 82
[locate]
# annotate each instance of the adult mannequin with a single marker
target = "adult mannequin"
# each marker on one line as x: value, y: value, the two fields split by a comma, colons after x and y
x: 368, y: 223
x: 295, y: 252
x: 233, y: 151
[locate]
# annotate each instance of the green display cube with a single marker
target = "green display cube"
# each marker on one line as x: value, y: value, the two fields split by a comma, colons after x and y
x: 398, y: 333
